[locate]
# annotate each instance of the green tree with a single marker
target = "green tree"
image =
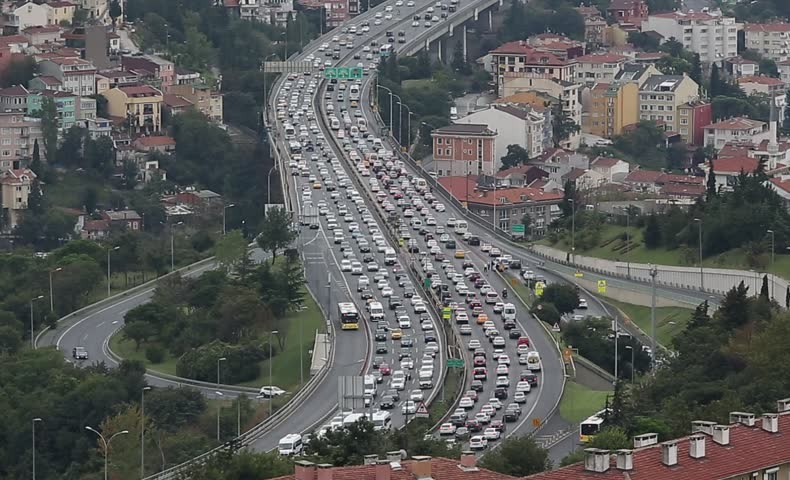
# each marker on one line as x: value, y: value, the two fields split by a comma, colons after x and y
x: 564, y: 297
x: 562, y: 126
x: 652, y: 234
x: 518, y: 456
x: 696, y: 69
x: 19, y: 71
x: 568, y: 205
x: 70, y: 152
x: 90, y: 197
x: 115, y: 11
x: 764, y: 292
x: 35, y: 163
x: 516, y: 155
x: 138, y: 332
x: 277, y: 232
x: 611, y: 438
x: 230, y: 250
x: 100, y: 155
x: 49, y: 128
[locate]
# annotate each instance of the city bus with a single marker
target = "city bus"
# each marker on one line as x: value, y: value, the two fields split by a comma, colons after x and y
x: 385, y: 50
x: 349, y: 317
x: 590, y: 427
x: 461, y: 227
x: 353, y: 92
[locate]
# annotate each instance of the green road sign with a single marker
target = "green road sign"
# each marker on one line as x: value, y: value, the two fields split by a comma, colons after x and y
x: 354, y: 73
x: 455, y: 363
x: 517, y: 228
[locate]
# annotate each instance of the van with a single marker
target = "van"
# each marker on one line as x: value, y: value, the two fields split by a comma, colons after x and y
x: 382, y: 420
x: 363, y: 282
x: 290, y: 444
x: 533, y: 361
x: 369, y: 385
x: 353, y: 418
x: 376, y: 311
x: 509, y: 312
x: 390, y: 257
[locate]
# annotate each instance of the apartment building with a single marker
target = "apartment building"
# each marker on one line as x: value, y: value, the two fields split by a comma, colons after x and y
x: 464, y: 149
x: 16, y: 184
x: 771, y: 40
x: 738, y: 67
x: 28, y: 14
x: 520, y: 59
x: 208, y: 101
x: 75, y: 75
x: 628, y: 11
x: 637, y: 73
x: 693, y: 117
x: 60, y: 11
x: 661, y: 95
x: 18, y: 133
x: 160, y: 70
x: 599, y: 67
x: 759, y: 84
x: 514, y: 125
x: 558, y: 45
x: 713, y: 36
x: 612, y: 107
x: 737, y: 129
x: 71, y: 109
x: 266, y: 11
x: 96, y: 8
x: 140, y: 105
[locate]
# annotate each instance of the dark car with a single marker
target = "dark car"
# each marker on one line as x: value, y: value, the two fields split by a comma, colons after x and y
x: 387, y: 402
x: 79, y: 353
x: 473, y: 426
x: 394, y: 394
x: 395, y: 302
x: 531, y: 378
x: 474, y: 241
x: 380, y: 335
x: 366, y: 294
x: 510, y: 415
x: 377, y: 361
x: 476, y: 385
x: 430, y: 337
x: 515, y: 264
x: 450, y: 245
x: 381, y: 347
x: 408, y: 292
x: 500, y: 393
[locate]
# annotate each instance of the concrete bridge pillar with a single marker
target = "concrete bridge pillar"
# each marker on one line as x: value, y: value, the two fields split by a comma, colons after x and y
x: 463, y: 42
x: 477, y: 13
x: 490, y: 21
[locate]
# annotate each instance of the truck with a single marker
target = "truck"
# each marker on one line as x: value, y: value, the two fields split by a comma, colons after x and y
x: 310, y: 217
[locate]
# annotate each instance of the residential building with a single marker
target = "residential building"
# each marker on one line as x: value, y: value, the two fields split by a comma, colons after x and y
x: 95, y: 8
x: 89, y: 229
x: 644, y: 180
x: 276, y: 12
x: 738, y: 67
x: 26, y: 15
x: 41, y: 35
x: 735, y: 130
x: 126, y: 219
x: 612, y: 169
x: 710, y: 34
x: 14, y: 99
x: 612, y: 107
x: 187, y: 77
x: 206, y: 100
x: 784, y: 72
x: 584, y: 180
x: 141, y: 106
x: 464, y: 149
x: 628, y: 11
x: 563, y: 95
x: 558, y: 45
x: 107, y: 79
x: 506, y: 205
x: 18, y: 133
x: 514, y: 125
x: 65, y: 103
x: 176, y: 104
x: 60, y: 12
x: 521, y: 59
x: 520, y: 176
x: 771, y: 40
x: 98, y: 127
x: 637, y: 73
x: 692, y: 119
x: 595, y: 30
x: 558, y: 163
x: 162, y: 71
x: 44, y: 82
x: 770, y: 86
x: 16, y: 185
x: 158, y: 143
x: 75, y: 75
x: 598, y: 67
x: 532, y: 101
x: 661, y: 95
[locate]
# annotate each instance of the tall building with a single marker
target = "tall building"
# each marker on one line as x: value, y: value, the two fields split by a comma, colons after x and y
x: 468, y: 149
x: 771, y: 40
x: 612, y: 107
x: 518, y: 58
x: 661, y: 96
x: 713, y: 36
x: 694, y: 116
x: 514, y: 126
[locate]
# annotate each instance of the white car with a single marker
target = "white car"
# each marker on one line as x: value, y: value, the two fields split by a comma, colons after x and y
x: 502, y: 369
x: 522, y: 349
x: 386, y: 291
x: 440, y: 207
x: 520, y: 397
x: 474, y: 344
x: 447, y: 429
x: 404, y: 322
x: 356, y: 268
x: 478, y: 442
x: 409, y: 3
x: 345, y: 265
x: 466, y: 403
x: 408, y: 408
x: 271, y: 391
x: 416, y: 395
x: 491, y: 434
x: 523, y: 386
x: 503, y: 360
x: 407, y: 364
x: 582, y: 303
x: 494, y: 402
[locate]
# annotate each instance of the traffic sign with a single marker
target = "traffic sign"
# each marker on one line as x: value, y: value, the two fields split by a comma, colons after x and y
x: 556, y: 327
x: 354, y: 73
x: 514, y: 281
x: 536, y: 422
x: 517, y: 228
x: 455, y: 363
x: 601, y: 286
x: 422, y: 410
x: 539, y: 286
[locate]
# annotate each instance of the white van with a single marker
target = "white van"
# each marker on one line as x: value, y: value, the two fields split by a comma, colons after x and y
x: 290, y: 444
x: 376, y: 311
x: 390, y: 257
x: 533, y: 361
x: 492, y: 297
x: 353, y: 418
x: 370, y: 385
x: 382, y: 420
x: 509, y: 312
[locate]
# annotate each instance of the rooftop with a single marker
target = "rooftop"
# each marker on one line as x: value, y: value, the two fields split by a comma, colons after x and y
x: 464, y: 129
x: 140, y: 91
x: 767, y: 27
x: 662, y: 83
x: 735, y: 165
x: 643, y: 176
x: 601, y: 58
x: 460, y: 186
x: 15, y: 91
x: 762, y: 80
x: 736, y: 123
x: 605, y: 162
x: 690, y: 15
x: 155, y: 141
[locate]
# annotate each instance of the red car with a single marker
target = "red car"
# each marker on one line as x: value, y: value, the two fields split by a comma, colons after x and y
x: 473, y: 426
x: 498, y: 425
x: 479, y: 373
x: 480, y: 361
x: 385, y: 369
x: 523, y: 341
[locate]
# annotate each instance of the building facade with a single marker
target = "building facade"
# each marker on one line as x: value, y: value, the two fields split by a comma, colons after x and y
x: 662, y: 95
x: 771, y: 40
x: 514, y: 126
x: 599, y: 67
x: 75, y: 75
x: 693, y: 117
x: 141, y: 106
x: 521, y: 59
x: 713, y: 36
x: 738, y: 129
x: 464, y: 149
x: 612, y: 107
x: 161, y: 70
x: 16, y: 185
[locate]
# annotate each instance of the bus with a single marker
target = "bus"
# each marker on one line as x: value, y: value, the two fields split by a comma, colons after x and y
x: 461, y: 227
x: 349, y: 317
x: 590, y: 427
x: 353, y: 92
x: 385, y: 50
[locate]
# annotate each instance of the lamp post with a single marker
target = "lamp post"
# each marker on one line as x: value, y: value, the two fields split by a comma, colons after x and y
x: 51, y: 296
x: 408, y: 124
x: 653, y: 273
x: 106, y: 444
x: 109, y: 250
x: 238, y: 415
x: 701, y: 271
x: 773, y: 258
x: 390, y: 92
x: 271, y: 360
x: 224, y: 210
x: 627, y: 209
x: 173, y: 245
x: 629, y: 347
x: 572, y: 201
x: 285, y: 41
x: 400, y: 116
x: 219, y: 409
x: 265, y: 92
x: 32, y: 327
x: 269, y: 185
x: 219, y: 360
x: 142, y: 431
x: 33, y: 422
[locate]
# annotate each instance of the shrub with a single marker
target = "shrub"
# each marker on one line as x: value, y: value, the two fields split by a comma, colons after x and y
x: 155, y: 353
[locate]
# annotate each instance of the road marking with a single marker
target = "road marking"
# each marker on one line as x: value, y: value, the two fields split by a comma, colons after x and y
x: 115, y: 322
x: 100, y: 324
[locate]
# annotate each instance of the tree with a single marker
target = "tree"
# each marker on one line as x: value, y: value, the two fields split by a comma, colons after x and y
x: 764, y: 292
x: 90, y: 197
x: 115, y: 11
x: 696, y: 69
x: 677, y: 155
x: 652, y: 234
x: 516, y: 155
x: 35, y: 163
x: 611, y: 438
x: 138, y: 332
x: 715, y: 82
x: 787, y: 297
x: 71, y: 152
x: 49, y: 128
x: 518, y: 456
x: 562, y: 126
x: 230, y: 250
x: 568, y: 205
x: 100, y: 155
x: 19, y: 71
x: 564, y: 297
x: 277, y: 232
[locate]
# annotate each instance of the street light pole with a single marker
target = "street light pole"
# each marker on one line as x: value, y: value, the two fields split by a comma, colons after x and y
x: 51, y: 296
x: 573, y: 230
x: 629, y: 347
x: 34, y: 421
x: 390, y: 92
x: 628, y: 237
x: 773, y: 258
x: 653, y: 274
x: 106, y: 444
x: 109, y: 250
x: 271, y: 360
x: 265, y: 93
x: 32, y: 327
x: 173, y: 245
x: 142, y: 431
x: 238, y: 415
x: 219, y: 411
x: 400, y: 116
x: 701, y: 271
x: 408, y: 125
x: 225, y: 209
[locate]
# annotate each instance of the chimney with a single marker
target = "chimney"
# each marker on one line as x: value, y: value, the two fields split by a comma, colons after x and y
x: 669, y: 453
x: 697, y: 446
x: 394, y: 456
x: 702, y: 426
x: 625, y: 459
x: 745, y: 418
x: 646, y: 439
x: 596, y: 460
x: 325, y: 471
x: 421, y: 467
x: 304, y: 470
x: 383, y: 470
x: 721, y: 434
x: 371, y: 459
x: 771, y: 422
x: 468, y: 459
x: 783, y: 405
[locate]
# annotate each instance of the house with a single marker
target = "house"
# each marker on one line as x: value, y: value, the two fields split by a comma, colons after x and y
x: 161, y: 144
x: 176, y: 104
x: 558, y: 163
x: 98, y: 127
x: 113, y: 43
x: 18, y: 134
x: 584, y: 179
x: 661, y: 95
x: 66, y: 105
x: 76, y: 75
x: 710, y: 34
x: 95, y: 8
x: 520, y: 176
x: 507, y: 205
x: 199, y: 200
x: 107, y: 79
x: 644, y: 180
x: 29, y: 14
x: 612, y: 107
x: 636, y: 72
x: 60, y: 11
x: 738, y: 67
x: 628, y: 11
x: 205, y: 99
x: 514, y: 125
x: 16, y: 185
x: 90, y: 229
x: 727, y: 170
x: 692, y: 119
x: 532, y: 101
x: 141, y: 105
x: 186, y: 77
x: 464, y: 149
x: 612, y: 169
x: 594, y: 30
x: 734, y: 130
x: 561, y: 46
x: 43, y: 34
x: 771, y: 40
x: 760, y: 84
x: 522, y: 59
x: 161, y: 70
x: 781, y: 185
x: 128, y: 219
x: 599, y: 67
x: 747, y: 447
x: 44, y: 82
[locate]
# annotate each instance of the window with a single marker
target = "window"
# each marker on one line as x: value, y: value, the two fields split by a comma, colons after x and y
x: 771, y: 474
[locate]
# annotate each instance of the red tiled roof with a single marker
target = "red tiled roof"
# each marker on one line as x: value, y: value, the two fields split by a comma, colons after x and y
x: 574, y: 174
x: 42, y: 29
x: 643, y: 176
x: 732, y: 150
x: 767, y: 27
x: 14, y: 176
x: 781, y: 183
x: 156, y: 141
x: 685, y: 190
x: 760, y: 79
x: 459, y: 187
x: 441, y: 469
x: 176, y: 101
x: 96, y: 226
x: 49, y: 80
x: 15, y: 91
x: 518, y: 47
x: 601, y: 58
x: 605, y: 162
x: 521, y: 169
x: 140, y: 90
x: 735, y: 164
x: 9, y: 39
x: 750, y: 449
x: 667, y: 178
x: 737, y: 123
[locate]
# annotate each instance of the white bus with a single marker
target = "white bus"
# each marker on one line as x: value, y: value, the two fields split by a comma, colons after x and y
x: 353, y: 92
x: 382, y: 420
x: 590, y: 427
x: 290, y: 444
x: 461, y: 227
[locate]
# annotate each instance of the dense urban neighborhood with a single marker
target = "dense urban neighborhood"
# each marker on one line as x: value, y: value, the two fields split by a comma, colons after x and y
x: 395, y: 239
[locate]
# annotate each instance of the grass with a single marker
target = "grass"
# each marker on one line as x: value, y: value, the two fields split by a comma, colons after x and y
x: 125, y: 349
x: 579, y: 402
x: 670, y: 321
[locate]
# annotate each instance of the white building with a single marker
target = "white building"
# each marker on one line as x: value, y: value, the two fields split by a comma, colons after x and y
x: 738, y: 129
x: 713, y: 36
x: 516, y: 126
x: 771, y: 40
x: 266, y: 11
x: 76, y: 75
x: 27, y: 15
x: 599, y: 67
x: 96, y: 8
x: 612, y: 169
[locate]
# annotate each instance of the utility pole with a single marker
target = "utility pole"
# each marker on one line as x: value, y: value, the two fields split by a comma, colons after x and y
x: 653, y: 274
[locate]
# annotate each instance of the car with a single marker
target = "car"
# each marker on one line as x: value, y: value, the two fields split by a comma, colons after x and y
x: 79, y: 353
x: 385, y: 369
x: 396, y: 333
x: 483, y: 418
x: 473, y: 344
x: 476, y: 385
x: 416, y: 395
x: 270, y: 391
x: 523, y: 386
x: 500, y: 381
x: 473, y: 425
x: 380, y: 335
x: 404, y: 322
x: 530, y: 378
x: 582, y: 303
x: 491, y: 434
x: 513, y: 334
x: 510, y: 415
x: 503, y: 360
x: 447, y: 429
x: 465, y: 329
x: 502, y: 369
x: 381, y: 347
x: 520, y: 397
x: 387, y: 402
x: 522, y: 359
x: 409, y: 408
x: 499, y: 425
x: 466, y: 403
